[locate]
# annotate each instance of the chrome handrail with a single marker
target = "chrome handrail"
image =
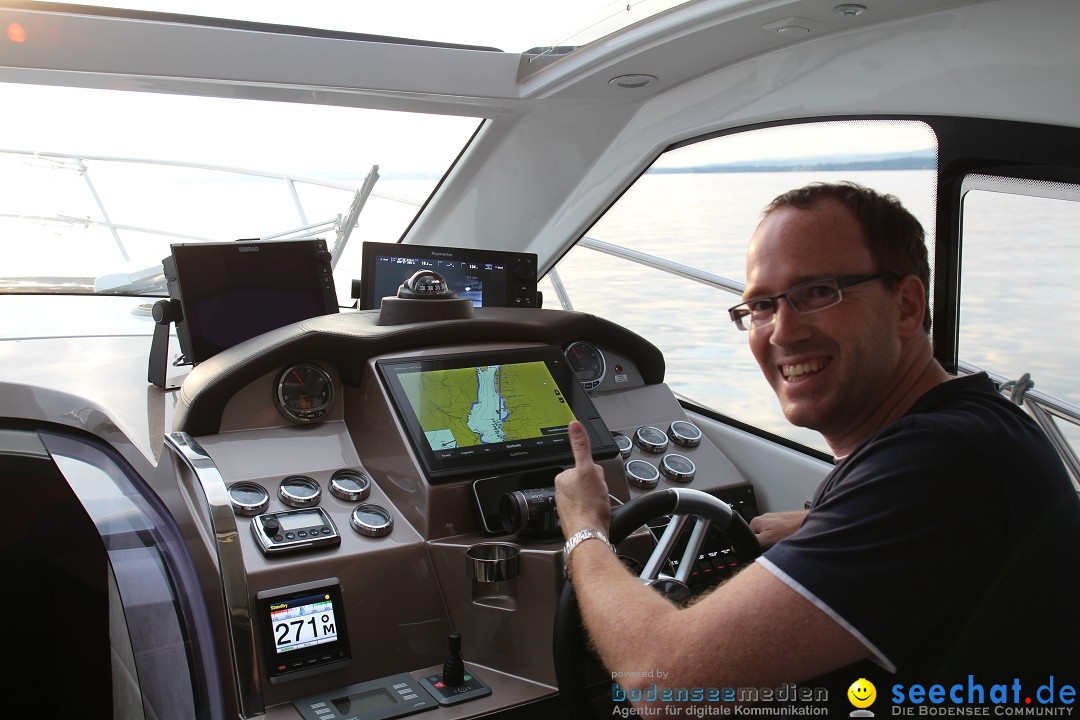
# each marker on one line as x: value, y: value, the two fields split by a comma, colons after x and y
x: 230, y: 567
x: 669, y: 266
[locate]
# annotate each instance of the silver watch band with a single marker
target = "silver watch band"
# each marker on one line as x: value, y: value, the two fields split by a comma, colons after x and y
x: 576, y: 539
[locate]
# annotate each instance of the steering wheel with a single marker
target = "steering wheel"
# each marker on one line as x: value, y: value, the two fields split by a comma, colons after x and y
x: 683, y: 504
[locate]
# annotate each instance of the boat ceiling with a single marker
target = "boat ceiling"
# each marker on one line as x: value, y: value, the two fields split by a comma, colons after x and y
x: 350, y: 54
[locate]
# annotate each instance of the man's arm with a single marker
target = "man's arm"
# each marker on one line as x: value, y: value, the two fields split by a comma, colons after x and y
x: 771, y: 528
x: 754, y: 630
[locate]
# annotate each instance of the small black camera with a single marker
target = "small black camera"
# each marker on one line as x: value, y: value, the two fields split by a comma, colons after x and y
x: 530, y: 513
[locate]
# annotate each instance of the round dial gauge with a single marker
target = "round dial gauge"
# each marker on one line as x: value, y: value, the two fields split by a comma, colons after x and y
x: 626, y: 446
x: 350, y: 485
x: 642, y: 474
x: 587, y: 362
x: 248, y: 498
x: 651, y: 439
x: 678, y: 467
x: 304, y: 393
x: 372, y: 520
x: 299, y: 491
x: 685, y: 433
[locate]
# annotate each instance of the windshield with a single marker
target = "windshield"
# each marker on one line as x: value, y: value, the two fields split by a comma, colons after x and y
x: 95, y: 184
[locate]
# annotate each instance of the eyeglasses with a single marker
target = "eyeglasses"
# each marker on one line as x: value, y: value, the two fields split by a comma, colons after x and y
x: 805, y: 298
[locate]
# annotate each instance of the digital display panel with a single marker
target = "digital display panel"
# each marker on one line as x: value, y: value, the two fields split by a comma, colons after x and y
x: 507, y: 408
x: 487, y: 278
x: 302, y: 629
x: 490, y: 405
x: 364, y: 702
x: 231, y: 292
x: 299, y: 520
x: 303, y: 622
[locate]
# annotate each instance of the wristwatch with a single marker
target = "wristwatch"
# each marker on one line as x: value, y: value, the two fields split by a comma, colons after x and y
x: 576, y: 539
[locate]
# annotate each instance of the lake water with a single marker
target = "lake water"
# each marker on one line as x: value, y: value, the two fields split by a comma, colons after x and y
x: 1019, y: 312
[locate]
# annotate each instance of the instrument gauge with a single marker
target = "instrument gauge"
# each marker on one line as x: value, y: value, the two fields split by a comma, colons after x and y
x: 685, y: 433
x: 248, y: 498
x: 304, y: 393
x: 372, y: 520
x: 350, y: 485
x: 626, y: 445
x: 678, y: 467
x: 587, y: 362
x: 642, y: 474
x: 651, y: 439
x: 299, y: 491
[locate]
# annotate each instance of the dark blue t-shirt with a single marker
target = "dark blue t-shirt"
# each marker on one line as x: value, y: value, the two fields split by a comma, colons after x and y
x: 949, y: 543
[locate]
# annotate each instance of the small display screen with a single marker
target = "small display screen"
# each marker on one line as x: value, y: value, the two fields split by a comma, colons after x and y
x: 303, y: 622
x: 299, y: 520
x: 487, y: 278
x: 364, y: 702
x: 499, y: 408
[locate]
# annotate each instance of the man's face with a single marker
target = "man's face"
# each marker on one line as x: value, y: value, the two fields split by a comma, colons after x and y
x: 832, y: 368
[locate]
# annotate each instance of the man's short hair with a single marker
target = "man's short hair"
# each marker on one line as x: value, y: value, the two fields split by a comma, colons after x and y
x: 896, y: 240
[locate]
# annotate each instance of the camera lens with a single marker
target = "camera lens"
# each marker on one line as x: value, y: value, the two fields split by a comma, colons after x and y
x: 530, y: 513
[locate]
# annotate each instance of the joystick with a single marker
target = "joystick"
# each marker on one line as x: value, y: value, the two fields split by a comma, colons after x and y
x: 454, y: 667
x: 455, y: 684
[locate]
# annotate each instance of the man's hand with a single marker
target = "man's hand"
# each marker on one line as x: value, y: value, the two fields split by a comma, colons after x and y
x: 771, y: 528
x: 581, y: 495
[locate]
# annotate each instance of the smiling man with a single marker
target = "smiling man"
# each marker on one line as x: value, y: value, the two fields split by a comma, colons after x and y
x: 923, y: 556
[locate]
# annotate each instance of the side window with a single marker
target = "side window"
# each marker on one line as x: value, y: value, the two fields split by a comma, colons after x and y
x: 669, y: 257
x: 1021, y: 246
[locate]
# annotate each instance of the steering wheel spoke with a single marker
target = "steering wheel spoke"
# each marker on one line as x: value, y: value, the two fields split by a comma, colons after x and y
x: 683, y: 505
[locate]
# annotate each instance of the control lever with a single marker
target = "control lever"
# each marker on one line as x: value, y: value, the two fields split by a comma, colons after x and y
x: 454, y: 684
x: 453, y: 669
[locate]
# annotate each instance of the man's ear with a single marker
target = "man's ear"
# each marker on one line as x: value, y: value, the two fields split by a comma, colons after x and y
x: 912, y: 304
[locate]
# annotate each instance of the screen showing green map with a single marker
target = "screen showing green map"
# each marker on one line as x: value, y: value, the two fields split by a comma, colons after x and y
x: 469, y: 406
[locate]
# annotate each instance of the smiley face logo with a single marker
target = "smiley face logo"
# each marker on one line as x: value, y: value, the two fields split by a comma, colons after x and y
x: 862, y: 693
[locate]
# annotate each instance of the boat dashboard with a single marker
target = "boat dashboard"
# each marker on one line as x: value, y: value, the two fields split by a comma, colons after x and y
x: 351, y: 494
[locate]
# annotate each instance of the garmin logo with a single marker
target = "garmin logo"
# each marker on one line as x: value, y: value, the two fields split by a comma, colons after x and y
x: 249, y: 248
x: 521, y: 452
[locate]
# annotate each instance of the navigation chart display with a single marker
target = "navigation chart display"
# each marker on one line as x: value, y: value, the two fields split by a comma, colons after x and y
x: 488, y: 405
x: 492, y: 408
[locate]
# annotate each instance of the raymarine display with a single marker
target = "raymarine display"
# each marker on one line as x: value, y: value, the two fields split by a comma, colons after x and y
x: 489, y: 411
x: 230, y: 292
x: 303, y: 629
x: 488, y: 278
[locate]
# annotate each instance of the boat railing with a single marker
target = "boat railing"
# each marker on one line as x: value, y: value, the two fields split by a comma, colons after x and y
x: 342, y: 225
x: 1045, y: 409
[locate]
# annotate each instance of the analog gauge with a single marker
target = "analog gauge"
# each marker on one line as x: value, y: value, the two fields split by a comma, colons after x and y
x: 685, y: 433
x: 350, y: 485
x: 642, y: 474
x: 299, y: 491
x: 372, y: 520
x: 248, y: 498
x: 678, y: 468
x: 304, y: 393
x: 651, y: 439
x: 587, y: 362
x: 624, y: 443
